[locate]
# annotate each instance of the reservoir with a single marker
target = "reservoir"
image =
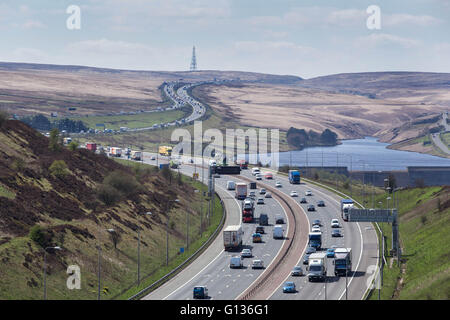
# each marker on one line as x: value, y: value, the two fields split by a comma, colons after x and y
x: 360, y: 154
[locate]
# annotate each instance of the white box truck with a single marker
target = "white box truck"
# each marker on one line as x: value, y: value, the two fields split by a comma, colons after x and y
x: 317, y: 267
x: 115, y: 152
x: 232, y: 237
x: 241, y: 191
x: 342, y: 261
x: 136, y: 155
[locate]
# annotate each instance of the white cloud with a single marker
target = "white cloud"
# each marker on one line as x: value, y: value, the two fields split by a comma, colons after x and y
x: 262, y: 47
x: 26, y: 55
x: 382, y: 39
x: 347, y: 17
x: 408, y: 20
x: 33, y: 24
x: 109, y: 47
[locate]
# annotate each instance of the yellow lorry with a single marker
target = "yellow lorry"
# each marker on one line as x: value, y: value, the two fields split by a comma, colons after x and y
x: 165, y: 150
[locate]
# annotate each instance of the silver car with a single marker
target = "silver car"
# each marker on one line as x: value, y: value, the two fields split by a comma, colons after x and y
x: 297, y: 271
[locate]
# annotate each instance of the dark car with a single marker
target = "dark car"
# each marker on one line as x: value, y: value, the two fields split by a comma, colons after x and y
x: 263, y: 219
x: 311, y: 208
x: 306, y: 259
x: 279, y: 219
x: 260, y: 229
x: 200, y: 292
x: 316, y: 222
x: 303, y: 200
x: 320, y: 203
x: 310, y: 250
x: 336, y: 233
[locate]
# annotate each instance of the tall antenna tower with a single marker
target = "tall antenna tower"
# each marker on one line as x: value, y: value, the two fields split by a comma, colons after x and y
x: 194, y: 60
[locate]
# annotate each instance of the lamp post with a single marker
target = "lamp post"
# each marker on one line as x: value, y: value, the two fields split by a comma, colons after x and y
x: 167, y: 230
x: 139, y: 250
x: 45, y: 268
x: 99, y: 248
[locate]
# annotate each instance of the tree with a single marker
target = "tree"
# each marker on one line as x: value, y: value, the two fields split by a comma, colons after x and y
x: 73, y: 146
x: 59, y: 168
x: 115, y: 238
x: 328, y: 137
x: 3, y: 117
x: 55, y: 140
x: 392, y: 184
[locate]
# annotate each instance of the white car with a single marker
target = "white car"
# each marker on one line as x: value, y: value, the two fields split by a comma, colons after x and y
x: 308, y: 193
x: 315, y: 229
x: 268, y: 195
x: 278, y: 184
x: 246, y: 253
x: 257, y: 264
x: 153, y: 158
x: 258, y: 177
x: 294, y: 194
x: 335, y: 223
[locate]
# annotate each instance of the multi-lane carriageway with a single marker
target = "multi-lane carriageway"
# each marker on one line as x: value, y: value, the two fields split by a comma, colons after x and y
x: 211, y: 268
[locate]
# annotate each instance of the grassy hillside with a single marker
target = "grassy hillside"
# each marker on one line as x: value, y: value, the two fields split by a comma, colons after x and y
x: 424, y: 235
x: 42, y: 205
x: 424, y: 224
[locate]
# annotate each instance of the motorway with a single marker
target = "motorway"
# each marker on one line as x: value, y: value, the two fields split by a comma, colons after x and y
x: 436, y: 137
x: 211, y: 268
x: 355, y: 235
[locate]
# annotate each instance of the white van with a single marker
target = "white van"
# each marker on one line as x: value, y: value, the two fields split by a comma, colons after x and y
x: 255, y: 171
x: 236, y: 262
x: 231, y: 185
x: 278, y: 232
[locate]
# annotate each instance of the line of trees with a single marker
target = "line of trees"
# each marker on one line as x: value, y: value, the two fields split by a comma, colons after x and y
x: 41, y: 122
x: 300, y: 138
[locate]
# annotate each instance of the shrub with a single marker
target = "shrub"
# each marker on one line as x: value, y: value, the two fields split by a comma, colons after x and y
x: 108, y: 195
x: 40, y: 235
x: 73, y: 146
x: 59, y: 168
x: 123, y: 182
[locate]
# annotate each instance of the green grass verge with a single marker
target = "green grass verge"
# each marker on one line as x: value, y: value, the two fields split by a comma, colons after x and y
x: 197, y: 239
x: 424, y: 228
x: 141, y: 120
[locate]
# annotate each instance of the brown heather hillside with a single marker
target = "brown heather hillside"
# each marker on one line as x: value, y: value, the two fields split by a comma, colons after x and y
x: 72, y: 216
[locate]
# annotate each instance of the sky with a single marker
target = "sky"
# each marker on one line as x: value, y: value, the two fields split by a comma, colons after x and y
x: 286, y: 37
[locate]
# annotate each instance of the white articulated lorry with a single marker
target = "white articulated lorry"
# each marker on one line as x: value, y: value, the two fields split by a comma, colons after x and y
x: 317, y: 266
x: 232, y: 237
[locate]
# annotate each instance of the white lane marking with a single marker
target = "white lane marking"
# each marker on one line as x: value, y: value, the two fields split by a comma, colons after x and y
x: 219, y: 255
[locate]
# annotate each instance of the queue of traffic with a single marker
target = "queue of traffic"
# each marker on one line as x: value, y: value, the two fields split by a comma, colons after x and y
x: 316, y: 256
